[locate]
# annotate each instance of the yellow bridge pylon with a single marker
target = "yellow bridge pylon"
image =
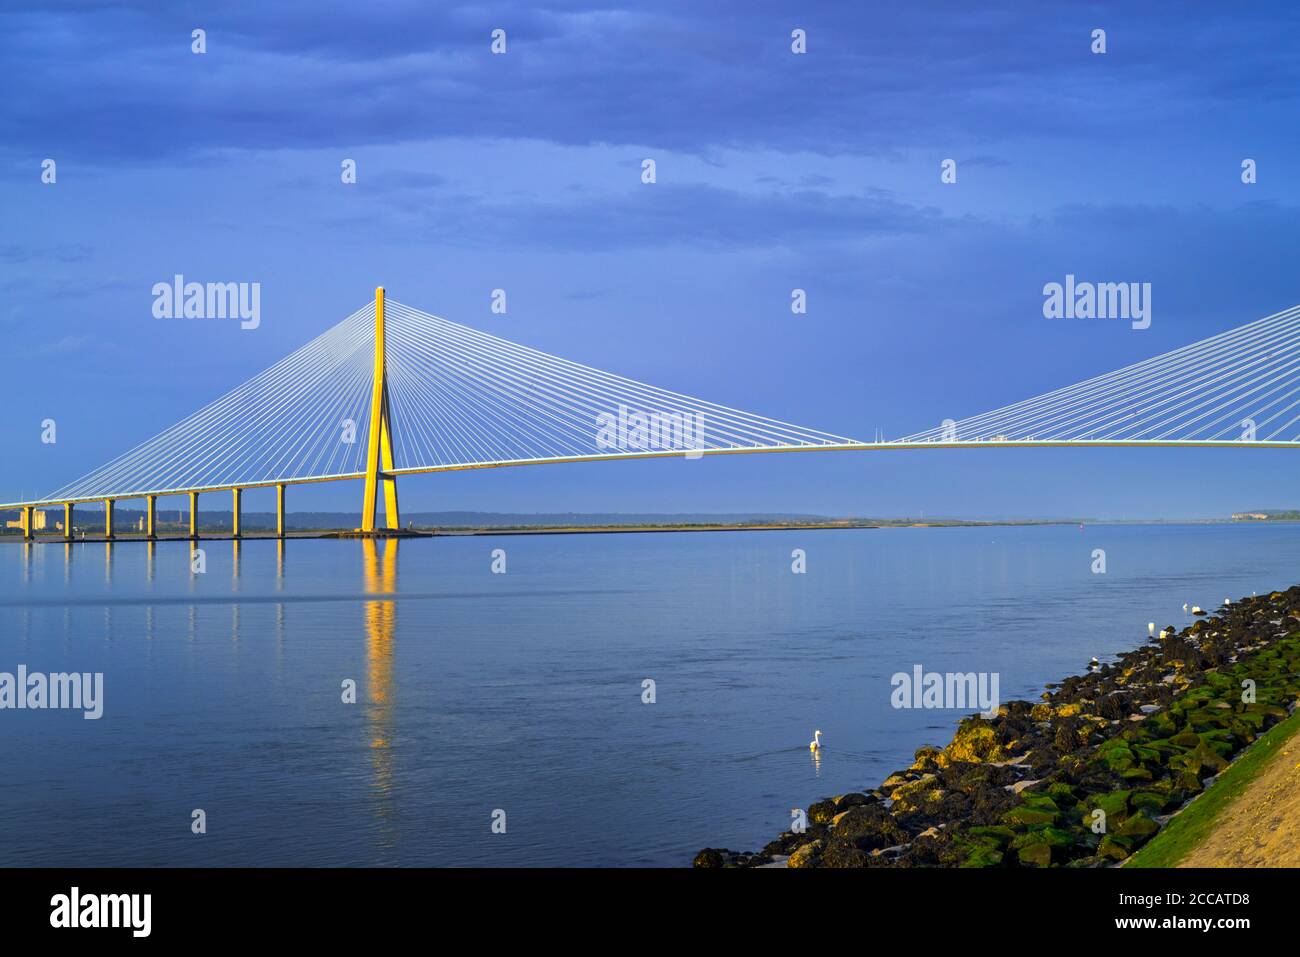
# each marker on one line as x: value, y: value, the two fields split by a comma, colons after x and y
x: 379, y: 451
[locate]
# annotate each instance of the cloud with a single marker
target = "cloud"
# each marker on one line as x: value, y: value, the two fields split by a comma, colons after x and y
x: 117, y: 81
x: 688, y: 215
x: 15, y: 254
x: 65, y: 345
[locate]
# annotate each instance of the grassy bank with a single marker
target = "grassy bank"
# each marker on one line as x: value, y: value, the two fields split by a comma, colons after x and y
x: 1195, y: 823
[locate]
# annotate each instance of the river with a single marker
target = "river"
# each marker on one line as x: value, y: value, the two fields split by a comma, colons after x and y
x: 519, y: 698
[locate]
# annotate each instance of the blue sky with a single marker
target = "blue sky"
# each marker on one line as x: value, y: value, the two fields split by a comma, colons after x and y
x: 775, y: 171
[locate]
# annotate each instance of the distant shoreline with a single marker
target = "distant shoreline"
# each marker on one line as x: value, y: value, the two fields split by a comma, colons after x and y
x: 218, y: 534
x: 426, y: 532
x: 720, y: 527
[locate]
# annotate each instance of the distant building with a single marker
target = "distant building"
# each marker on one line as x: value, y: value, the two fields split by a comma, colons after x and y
x: 38, y: 521
x: 1250, y: 516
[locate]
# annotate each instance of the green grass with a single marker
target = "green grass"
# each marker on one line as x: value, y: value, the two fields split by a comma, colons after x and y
x: 1194, y: 823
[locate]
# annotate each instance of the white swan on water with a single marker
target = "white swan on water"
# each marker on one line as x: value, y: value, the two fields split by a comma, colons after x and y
x: 816, y: 743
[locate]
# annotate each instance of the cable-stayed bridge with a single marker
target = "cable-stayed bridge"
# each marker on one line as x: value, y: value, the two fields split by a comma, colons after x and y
x: 393, y: 391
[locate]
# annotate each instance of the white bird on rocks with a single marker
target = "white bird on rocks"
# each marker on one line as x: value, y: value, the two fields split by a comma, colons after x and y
x: 1094, y: 664
x: 816, y: 743
x: 1227, y: 601
x: 1151, y: 627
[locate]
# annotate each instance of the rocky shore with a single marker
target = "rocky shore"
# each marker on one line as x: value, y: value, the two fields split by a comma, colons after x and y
x: 1080, y: 779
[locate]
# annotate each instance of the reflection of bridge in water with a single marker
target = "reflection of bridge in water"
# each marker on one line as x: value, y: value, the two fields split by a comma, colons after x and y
x: 393, y: 391
x: 377, y: 621
x: 380, y: 562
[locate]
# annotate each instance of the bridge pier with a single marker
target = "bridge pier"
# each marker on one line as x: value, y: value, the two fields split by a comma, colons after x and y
x: 279, y: 511
x: 108, y: 519
x: 379, y: 449
x: 194, y: 516
x: 27, y: 516
x: 151, y: 516
x: 67, y: 521
x: 236, y: 494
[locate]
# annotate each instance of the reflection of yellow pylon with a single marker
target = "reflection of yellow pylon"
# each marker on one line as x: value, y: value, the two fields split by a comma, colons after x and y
x: 379, y: 445
x: 380, y: 579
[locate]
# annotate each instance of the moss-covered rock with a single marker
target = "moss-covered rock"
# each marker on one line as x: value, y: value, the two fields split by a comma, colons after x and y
x: 997, y: 833
x: 927, y: 758
x: 1029, y: 816
x: 839, y: 853
x: 917, y: 794
x: 843, y: 802
x: 1036, y: 855
x: 973, y: 849
x: 1039, y: 801
x: 975, y: 741
x: 1114, y: 804
x: 1117, y: 758
x: 1136, y: 774
x: 710, y: 857
x: 1040, y: 846
x: 807, y: 856
x: 822, y: 812
x: 1150, y: 801
x: 1139, y: 827
x: 870, y: 827
x: 1115, y: 848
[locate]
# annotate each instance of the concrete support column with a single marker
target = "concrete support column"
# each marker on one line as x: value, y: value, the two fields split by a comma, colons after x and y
x: 67, y: 521
x: 108, y: 519
x: 194, y: 516
x: 236, y: 495
x: 279, y: 511
x: 151, y: 516
x: 28, y: 522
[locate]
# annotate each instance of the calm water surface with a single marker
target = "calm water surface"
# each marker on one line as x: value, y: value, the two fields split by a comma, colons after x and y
x: 522, y: 691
